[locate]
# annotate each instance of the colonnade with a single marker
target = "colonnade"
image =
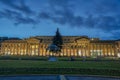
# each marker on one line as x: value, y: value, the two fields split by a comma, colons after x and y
x: 38, y: 49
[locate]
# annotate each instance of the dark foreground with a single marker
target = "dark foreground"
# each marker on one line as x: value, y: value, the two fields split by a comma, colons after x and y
x: 56, y: 77
x: 40, y: 65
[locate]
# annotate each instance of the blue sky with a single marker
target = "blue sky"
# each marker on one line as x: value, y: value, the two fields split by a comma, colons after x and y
x: 94, y: 18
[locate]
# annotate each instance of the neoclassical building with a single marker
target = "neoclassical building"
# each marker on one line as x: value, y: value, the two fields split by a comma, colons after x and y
x: 77, y: 46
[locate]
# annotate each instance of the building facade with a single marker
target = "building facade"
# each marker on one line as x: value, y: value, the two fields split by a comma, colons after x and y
x: 77, y: 46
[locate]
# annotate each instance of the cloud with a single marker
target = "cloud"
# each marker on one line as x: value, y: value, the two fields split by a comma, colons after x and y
x: 99, y: 15
x: 22, y: 7
x: 9, y: 14
x: 18, y: 12
x: 59, y: 4
x: 109, y: 23
x: 25, y: 20
x: 44, y: 15
x: 103, y: 22
x: 63, y: 18
x: 105, y: 6
x: 116, y: 34
x: 90, y: 21
x: 17, y: 17
x: 63, y: 13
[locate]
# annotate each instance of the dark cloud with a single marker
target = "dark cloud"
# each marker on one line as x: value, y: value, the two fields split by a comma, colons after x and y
x: 44, y: 15
x: 105, y: 23
x: 59, y: 4
x: 63, y: 18
x: 105, y: 6
x: 90, y: 21
x: 18, y: 12
x: 9, y: 14
x: 99, y: 15
x: 108, y: 23
x: 25, y: 20
x: 22, y: 7
x: 63, y: 13
x: 17, y: 17
x: 116, y: 34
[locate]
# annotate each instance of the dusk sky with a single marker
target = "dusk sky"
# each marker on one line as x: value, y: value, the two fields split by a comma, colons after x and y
x: 94, y: 18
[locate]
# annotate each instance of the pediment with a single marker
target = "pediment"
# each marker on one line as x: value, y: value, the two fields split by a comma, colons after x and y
x: 33, y: 40
x: 83, y: 40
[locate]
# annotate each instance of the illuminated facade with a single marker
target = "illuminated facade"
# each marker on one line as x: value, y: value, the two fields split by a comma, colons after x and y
x: 72, y: 46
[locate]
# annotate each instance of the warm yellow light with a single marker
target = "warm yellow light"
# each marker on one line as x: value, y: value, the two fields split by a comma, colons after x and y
x: 119, y: 55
